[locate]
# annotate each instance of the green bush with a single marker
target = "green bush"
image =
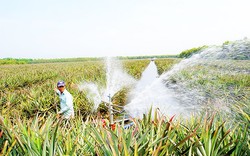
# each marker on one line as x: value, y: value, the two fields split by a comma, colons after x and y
x: 189, y: 52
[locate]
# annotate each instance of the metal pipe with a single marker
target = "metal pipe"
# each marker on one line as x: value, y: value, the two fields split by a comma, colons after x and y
x: 111, y: 116
x: 114, y: 105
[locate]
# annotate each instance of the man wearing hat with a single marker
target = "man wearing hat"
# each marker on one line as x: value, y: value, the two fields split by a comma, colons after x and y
x: 66, y: 101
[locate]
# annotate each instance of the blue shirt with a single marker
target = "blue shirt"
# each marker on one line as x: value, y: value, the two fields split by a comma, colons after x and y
x: 66, y: 104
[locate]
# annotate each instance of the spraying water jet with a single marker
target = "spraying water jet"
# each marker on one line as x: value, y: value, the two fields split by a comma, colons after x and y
x: 116, y: 80
x: 177, y: 98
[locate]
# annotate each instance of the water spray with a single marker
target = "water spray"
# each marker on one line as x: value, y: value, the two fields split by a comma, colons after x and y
x: 174, y: 98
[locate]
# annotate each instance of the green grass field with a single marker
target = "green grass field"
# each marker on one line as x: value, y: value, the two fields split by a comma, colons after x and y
x: 28, y: 106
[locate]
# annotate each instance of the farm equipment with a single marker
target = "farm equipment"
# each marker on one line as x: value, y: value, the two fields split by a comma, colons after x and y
x: 120, y: 113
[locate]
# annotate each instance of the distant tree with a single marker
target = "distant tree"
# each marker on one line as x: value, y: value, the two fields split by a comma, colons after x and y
x: 226, y: 42
x: 189, y: 52
x: 14, y: 61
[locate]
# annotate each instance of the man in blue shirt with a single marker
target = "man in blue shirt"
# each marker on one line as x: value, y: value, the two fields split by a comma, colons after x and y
x: 66, y: 101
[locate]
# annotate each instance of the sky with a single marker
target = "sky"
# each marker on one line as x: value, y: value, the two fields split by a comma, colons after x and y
x: 97, y: 28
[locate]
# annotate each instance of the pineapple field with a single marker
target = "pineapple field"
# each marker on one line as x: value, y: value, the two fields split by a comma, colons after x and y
x: 28, y: 108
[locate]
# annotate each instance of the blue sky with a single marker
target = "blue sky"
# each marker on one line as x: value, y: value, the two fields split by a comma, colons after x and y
x: 87, y: 28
